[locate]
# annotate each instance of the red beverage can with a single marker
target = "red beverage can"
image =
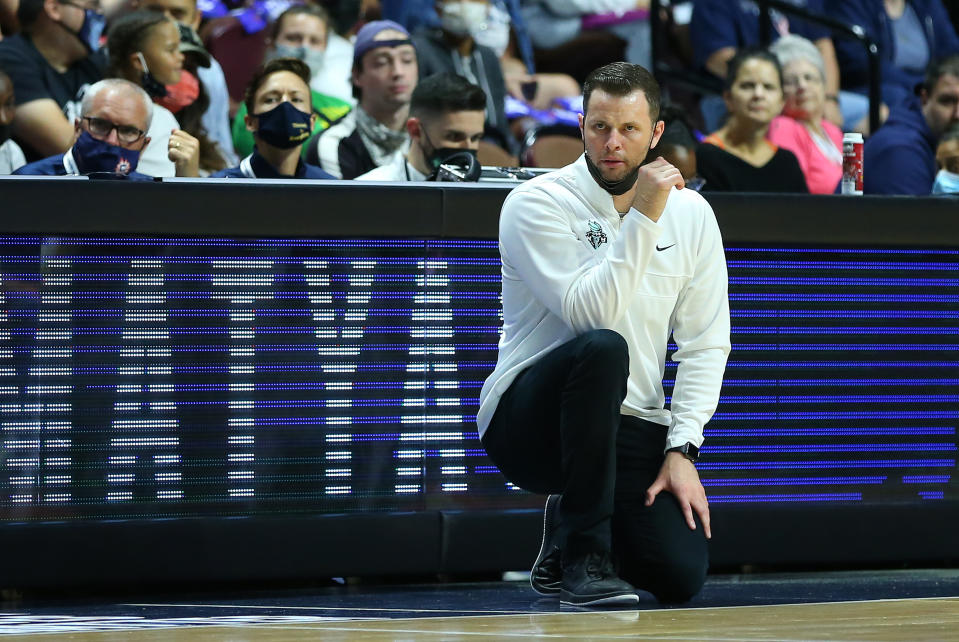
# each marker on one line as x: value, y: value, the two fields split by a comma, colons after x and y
x: 852, y: 163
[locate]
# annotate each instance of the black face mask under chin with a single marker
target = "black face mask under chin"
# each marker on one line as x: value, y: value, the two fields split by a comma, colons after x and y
x: 616, y: 188
x: 623, y: 185
x: 153, y: 87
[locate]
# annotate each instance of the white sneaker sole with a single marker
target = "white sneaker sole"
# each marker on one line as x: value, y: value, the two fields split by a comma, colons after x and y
x: 609, y: 600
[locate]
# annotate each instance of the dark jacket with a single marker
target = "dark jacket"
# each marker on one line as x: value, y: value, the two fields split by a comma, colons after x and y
x: 900, y: 158
x: 871, y: 15
x: 53, y: 166
x: 255, y: 166
x: 435, y: 56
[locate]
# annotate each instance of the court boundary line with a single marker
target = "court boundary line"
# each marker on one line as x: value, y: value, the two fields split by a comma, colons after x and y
x: 543, y: 613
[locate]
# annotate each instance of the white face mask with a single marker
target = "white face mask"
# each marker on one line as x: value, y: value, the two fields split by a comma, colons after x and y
x: 463, y: 18
x: 312, y: 57
x: 946, y: 183
x: 496, y: 34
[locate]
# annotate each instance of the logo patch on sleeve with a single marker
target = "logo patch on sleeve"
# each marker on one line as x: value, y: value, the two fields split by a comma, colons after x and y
x: 595, y: 235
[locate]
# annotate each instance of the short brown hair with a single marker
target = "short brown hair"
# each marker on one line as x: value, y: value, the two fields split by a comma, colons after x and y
x: 948, y: 66
x: 622, y: 79
x: 293, y: 65
x: 308, y: 9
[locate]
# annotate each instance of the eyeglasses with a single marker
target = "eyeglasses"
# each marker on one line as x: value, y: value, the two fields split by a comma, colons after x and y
x: 101, y: 129
x: 807, y: 79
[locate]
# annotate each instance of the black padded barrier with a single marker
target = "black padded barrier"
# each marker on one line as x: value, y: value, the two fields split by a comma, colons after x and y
x: 461, y: 533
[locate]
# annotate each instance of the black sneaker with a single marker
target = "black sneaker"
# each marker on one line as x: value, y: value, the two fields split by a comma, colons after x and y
x: 547, y: 574
x: 592, y: 581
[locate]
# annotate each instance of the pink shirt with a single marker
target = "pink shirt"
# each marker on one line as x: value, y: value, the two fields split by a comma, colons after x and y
x: 822, y: 171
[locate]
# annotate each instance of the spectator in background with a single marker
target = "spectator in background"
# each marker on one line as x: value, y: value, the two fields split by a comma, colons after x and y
x: 803, y: 128
x: 900, y: 158
x: 504, y: 31
x: 910, y: 35
x: 677, y: 146
x: 216, y: 116
x: 720, y: 28
x: 280, y: 117
x: 145, y: 49
x: 11, y: 156
x: 373, y: 134
x: 50, y: 61
x: 108, y: 136
x: 306, y: 32
x: 451, y: 48
x: 522, y: 83
x: 553, y: 23
x: 191, y: 100
x: 739, y: 157
x: 947, y: 159
x: 447, y: 113
x: 300, y: 32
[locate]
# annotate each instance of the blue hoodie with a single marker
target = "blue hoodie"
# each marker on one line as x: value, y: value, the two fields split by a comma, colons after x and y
x: 871, y: 15
x: 735, y: 23
x: 900, y: 158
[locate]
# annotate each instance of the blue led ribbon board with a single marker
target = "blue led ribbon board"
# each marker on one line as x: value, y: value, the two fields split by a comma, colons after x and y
x: 188, y: 376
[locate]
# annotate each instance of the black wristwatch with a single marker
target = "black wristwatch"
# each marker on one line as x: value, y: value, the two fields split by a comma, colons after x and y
x: 688, y: 450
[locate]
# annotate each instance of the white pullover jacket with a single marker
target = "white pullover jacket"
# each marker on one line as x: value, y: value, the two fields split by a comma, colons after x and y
x: 571, y: 264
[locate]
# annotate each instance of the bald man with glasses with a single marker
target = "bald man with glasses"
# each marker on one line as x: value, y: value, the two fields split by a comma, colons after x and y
x: 108, y: 136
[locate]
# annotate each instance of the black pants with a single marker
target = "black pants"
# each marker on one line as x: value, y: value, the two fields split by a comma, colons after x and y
x: 558, y: 429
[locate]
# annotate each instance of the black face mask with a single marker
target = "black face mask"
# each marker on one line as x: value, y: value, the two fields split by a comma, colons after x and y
x: 465, y: 159
x: 154, y: 88
x: 623, y: 185
x: 284, y: 126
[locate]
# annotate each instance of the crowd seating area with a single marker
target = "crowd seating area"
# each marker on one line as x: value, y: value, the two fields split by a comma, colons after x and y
x: 530, y: 58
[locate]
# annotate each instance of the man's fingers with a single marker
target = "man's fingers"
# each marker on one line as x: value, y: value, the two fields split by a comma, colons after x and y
x: 652, y: 491
x: 702, y: 509
x: 688, y: 512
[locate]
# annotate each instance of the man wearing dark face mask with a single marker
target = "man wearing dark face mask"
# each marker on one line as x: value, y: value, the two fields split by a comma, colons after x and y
x: 603, y: 261
x: 108, y: 136
x: 301, y: 32
x: 50, y: 61
x: 280, y: 116
x: 453, y: 48
x: 446, y: 120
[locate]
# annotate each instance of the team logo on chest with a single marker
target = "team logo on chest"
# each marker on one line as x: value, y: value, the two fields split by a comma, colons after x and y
x: 595, y: 234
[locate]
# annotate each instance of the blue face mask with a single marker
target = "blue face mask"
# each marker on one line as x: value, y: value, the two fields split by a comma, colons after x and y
x: 946, y: 183
x: 284, y: 126
x: 92, y: 28
x: 103, y: 159
x: 93, y: 25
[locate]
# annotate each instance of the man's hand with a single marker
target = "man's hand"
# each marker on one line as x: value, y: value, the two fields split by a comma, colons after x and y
x: 184, y: 151
x: 678, y: 475
x: 654, y: 183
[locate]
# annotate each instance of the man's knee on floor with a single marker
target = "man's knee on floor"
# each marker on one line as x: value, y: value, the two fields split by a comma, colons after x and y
x: 680, y: 581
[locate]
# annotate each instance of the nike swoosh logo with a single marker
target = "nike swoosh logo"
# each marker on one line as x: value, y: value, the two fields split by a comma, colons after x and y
x: 660, y: 249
